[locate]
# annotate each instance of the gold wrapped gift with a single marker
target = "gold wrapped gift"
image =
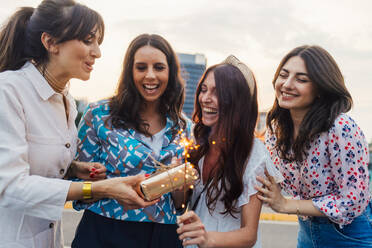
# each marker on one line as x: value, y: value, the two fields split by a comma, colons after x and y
x: 168, y: 180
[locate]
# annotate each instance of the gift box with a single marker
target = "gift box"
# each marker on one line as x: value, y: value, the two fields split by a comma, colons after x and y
x: 168, y: 180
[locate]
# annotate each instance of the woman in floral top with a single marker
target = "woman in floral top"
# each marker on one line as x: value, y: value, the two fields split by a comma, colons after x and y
x: 321, y: 152
x: 143, y: 118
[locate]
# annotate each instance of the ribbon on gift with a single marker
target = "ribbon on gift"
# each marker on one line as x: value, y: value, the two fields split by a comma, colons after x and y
x: 168, y: 179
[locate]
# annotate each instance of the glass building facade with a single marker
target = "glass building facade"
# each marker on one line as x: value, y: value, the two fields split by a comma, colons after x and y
x: 192, y: 68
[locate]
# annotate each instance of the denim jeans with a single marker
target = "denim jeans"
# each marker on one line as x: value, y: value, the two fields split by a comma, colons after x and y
x: 320, y: 232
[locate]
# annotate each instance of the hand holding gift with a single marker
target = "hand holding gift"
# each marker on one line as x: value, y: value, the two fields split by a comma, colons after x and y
x: 168, y: 180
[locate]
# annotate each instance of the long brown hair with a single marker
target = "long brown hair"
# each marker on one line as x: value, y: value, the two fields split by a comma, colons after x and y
x: 333, y: 99
x: 126, y: 104
x: 20, y: 38
x: 237, y: 119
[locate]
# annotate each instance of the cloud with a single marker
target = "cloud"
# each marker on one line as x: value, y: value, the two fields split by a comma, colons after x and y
x: 259, y: 33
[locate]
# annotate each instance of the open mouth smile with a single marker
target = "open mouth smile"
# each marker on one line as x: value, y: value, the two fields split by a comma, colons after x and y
x: 286, y: 94
x: 89, y: 65
x: 208, y: 110
x: 151, y: 86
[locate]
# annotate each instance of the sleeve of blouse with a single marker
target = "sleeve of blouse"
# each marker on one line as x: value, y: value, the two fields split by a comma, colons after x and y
x: 88, y: 142
x: 88, y: 145
x: 259, y: 160
x: 348, y: 151
x: 34, y: 195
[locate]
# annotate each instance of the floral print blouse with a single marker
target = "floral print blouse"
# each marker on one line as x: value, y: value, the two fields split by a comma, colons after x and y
x: 124, y: 153
x: 334, y: 174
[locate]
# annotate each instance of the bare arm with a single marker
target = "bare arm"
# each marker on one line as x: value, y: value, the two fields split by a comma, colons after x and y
x: 192, y: 228
x: 123, y: 189
x: 271, y: 194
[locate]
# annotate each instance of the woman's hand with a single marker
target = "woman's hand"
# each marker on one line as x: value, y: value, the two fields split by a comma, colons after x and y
x: 271, y: 193
x: 86, y: 171
x: 191, y: 230
x: 122, y: 189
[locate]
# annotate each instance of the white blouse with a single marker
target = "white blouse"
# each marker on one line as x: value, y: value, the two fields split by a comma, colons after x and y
x: 37, y: 145
x: 259, y: 160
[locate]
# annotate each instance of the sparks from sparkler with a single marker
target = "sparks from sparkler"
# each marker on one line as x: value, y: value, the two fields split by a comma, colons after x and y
x: 186, y: 144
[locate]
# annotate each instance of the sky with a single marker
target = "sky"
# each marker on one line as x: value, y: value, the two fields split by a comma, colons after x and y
x: 259, y: 33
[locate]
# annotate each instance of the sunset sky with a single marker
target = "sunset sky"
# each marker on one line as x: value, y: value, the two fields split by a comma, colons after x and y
x: 259, y: 33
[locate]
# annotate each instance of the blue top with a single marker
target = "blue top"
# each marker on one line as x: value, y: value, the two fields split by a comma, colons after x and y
x: 124, y: 154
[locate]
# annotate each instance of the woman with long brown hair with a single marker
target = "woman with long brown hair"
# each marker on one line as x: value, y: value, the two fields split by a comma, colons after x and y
x: 321, y: 152
x: 229, y: 158
x: 139, y: 124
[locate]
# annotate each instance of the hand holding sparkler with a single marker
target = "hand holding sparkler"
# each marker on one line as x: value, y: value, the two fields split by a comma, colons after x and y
x: 192, y: 231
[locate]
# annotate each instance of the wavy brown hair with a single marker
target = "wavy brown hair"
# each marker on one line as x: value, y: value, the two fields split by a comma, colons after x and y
x: 20, y: 37
x: 333, y: 99
x: 237, y: 117
x: 126, y: 105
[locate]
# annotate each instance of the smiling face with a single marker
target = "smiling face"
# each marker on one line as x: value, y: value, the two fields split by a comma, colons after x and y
x: 75, y: 58
x: 293, y: 88
x: 150, y: 73
x: 208, y: 101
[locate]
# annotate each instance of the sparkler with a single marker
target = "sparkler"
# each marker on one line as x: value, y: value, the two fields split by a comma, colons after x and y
x: 169, y: 178
x: 186, y: 144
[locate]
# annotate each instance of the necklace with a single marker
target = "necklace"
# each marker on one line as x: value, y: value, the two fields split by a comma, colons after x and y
x: 52, y: 81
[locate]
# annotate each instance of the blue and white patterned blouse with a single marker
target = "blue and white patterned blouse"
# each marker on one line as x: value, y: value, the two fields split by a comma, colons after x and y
x: 124, y: 154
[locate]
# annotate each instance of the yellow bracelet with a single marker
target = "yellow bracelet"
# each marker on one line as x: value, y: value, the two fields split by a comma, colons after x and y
x: 87, y: 190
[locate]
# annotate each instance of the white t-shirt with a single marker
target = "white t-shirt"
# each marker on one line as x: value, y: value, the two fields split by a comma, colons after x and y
x: 258, y: 161
x: 156, y: 142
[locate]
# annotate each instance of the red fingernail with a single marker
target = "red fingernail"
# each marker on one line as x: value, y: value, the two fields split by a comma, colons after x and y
x: 93, y: 169
x: 147, y: 175
x: 91, y: 175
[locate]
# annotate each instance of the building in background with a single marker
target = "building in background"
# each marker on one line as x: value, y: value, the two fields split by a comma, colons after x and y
x: 192, y: 68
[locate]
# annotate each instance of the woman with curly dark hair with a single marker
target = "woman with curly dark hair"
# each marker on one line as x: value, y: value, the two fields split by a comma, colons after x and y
x: 321, y: 152
x: 229, y: 158
x: 143, y: 118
